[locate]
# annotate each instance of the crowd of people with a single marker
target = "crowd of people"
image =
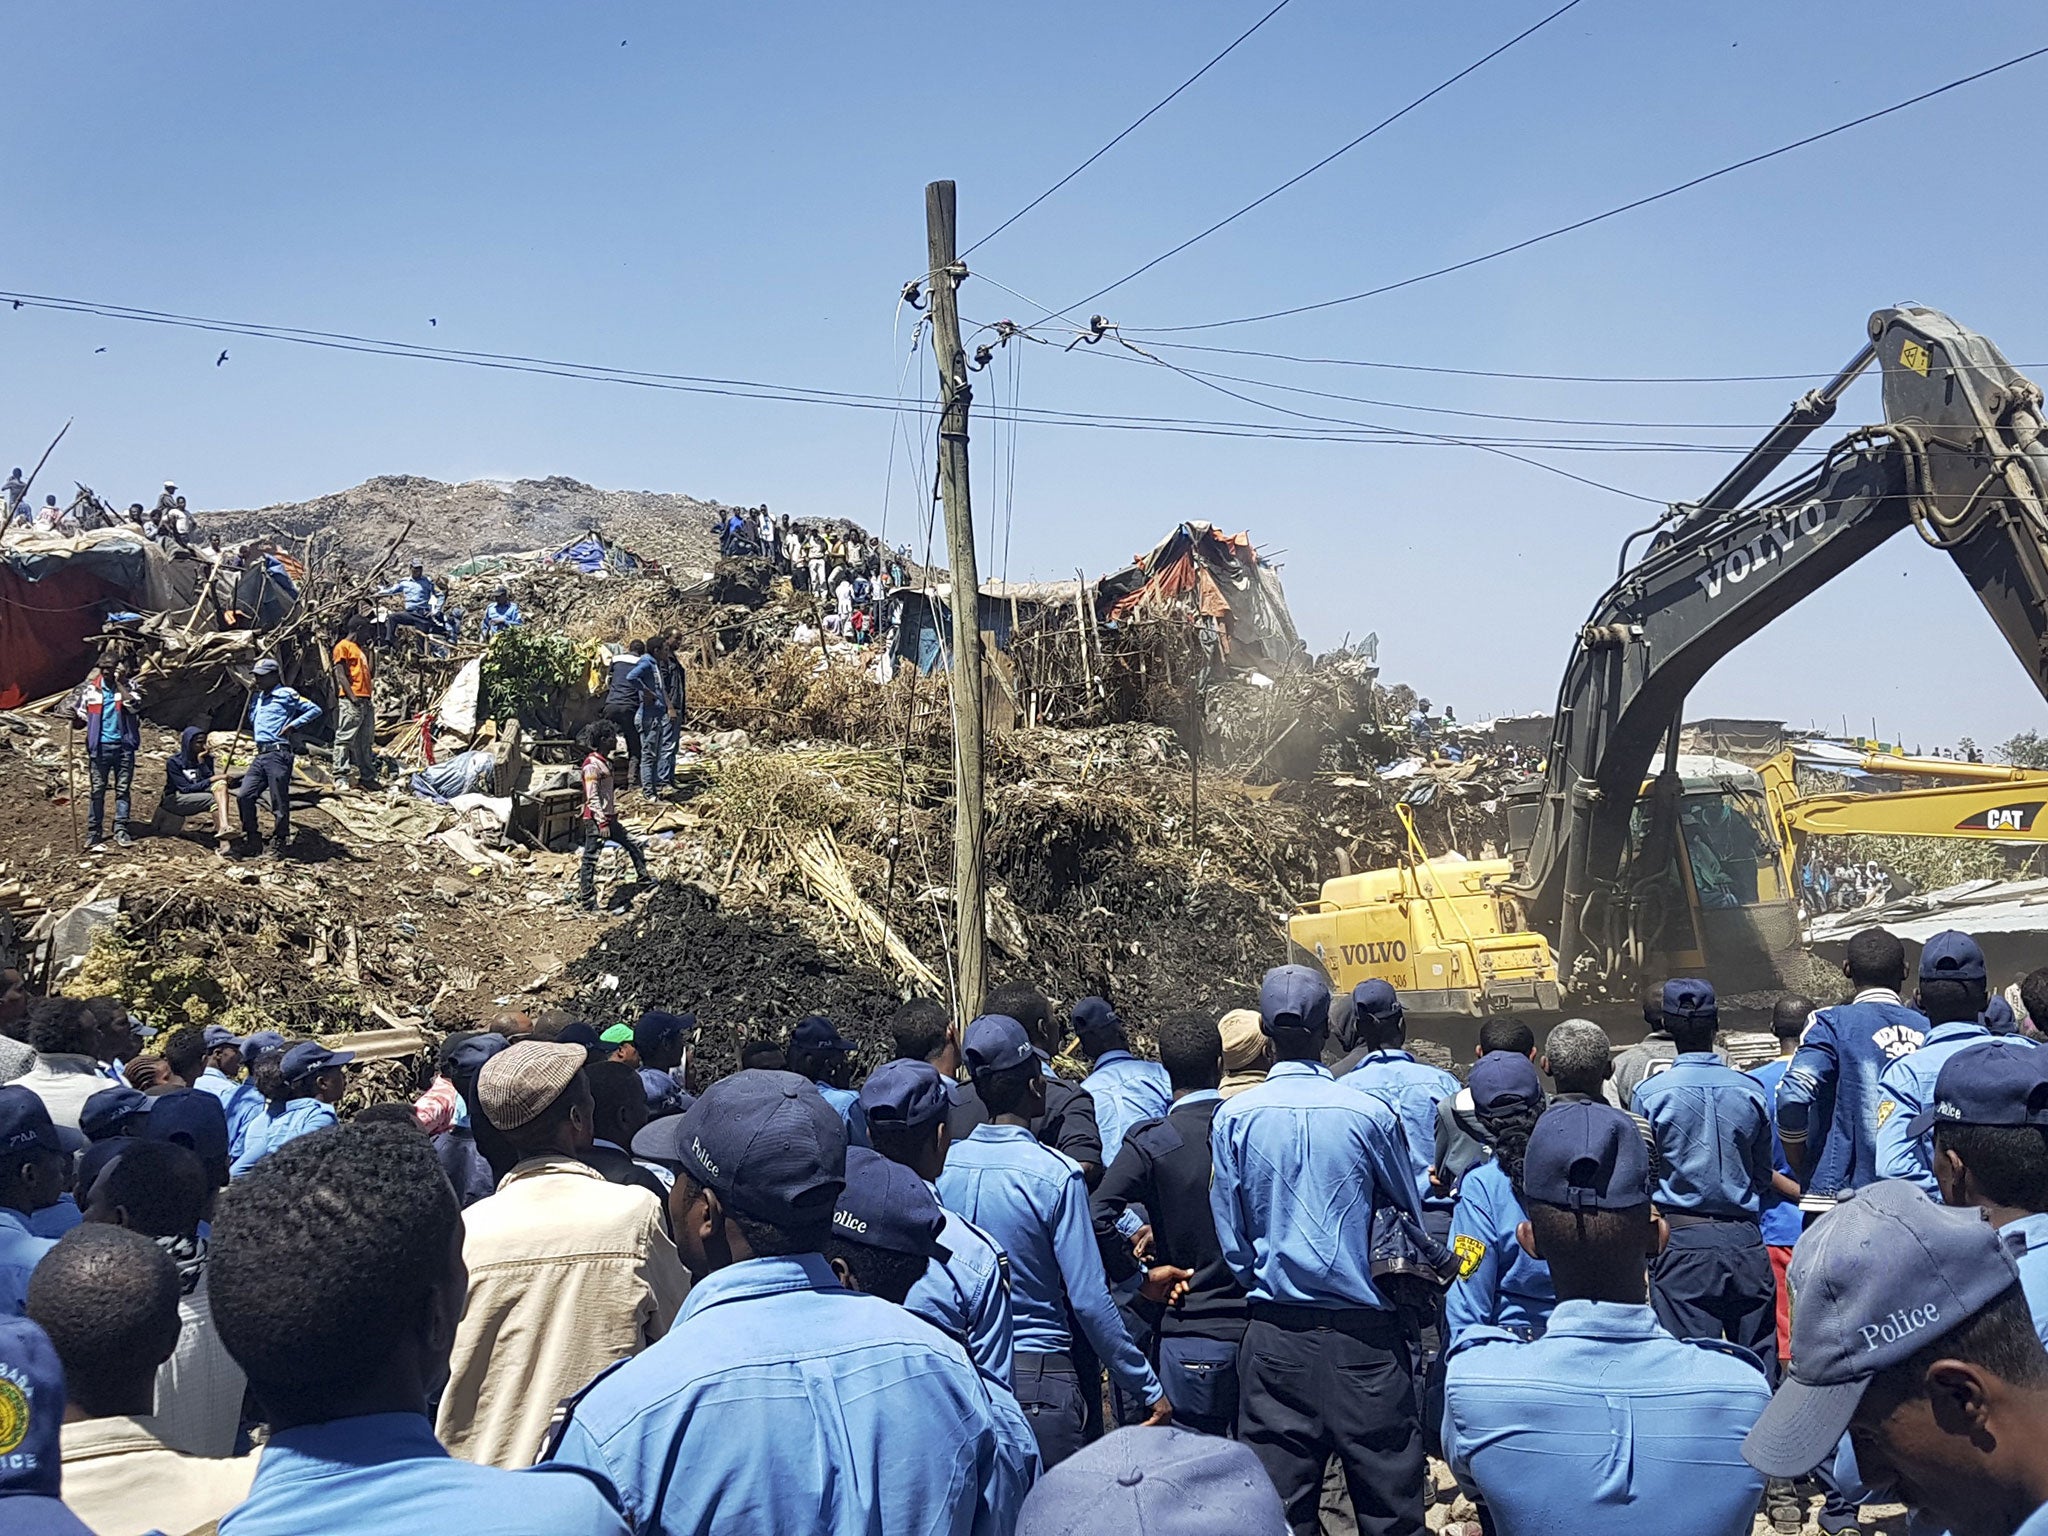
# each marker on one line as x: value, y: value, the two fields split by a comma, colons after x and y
x: 574, y: 1287
x: 169, y: 522
x: 850, y: 575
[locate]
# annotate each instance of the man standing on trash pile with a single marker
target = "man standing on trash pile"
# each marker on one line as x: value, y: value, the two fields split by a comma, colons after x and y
x: 105, y: 704
x: 275, y: 711
x: 355, y: 712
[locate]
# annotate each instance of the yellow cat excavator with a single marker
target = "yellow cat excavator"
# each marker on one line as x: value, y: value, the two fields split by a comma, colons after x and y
x: 1621, y: 869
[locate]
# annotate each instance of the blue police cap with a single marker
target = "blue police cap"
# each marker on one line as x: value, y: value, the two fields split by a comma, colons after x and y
x: 216, y: 1036
x: 579, y: 1032
x: 465, y: 1055
x: 904, y: 1095
x: 32, y: 1395
x: 818, y: 1033
x: 1690, y: 999
x: 995, y: 1042
x: 1376, y: 998
x: 1153, y: 1481
x: 1951, y: 956
x: 1504, y: 1081
x: 193, y: 1118
x: 657, y: 1027
x: 1587, y: 1157
x: 263, y: 1040
x: 1093, y: 1018
x: 663, y: 1093
x: 1294, y: 997
x: 106, y: 1112
x: 2003, y: 1081
x: 1998, y: 1016
x: 1873, y: 1281
x: 887, y: 1206
x: 766, y: 1141
x: 309, y: 1058
x: 25, y: 1122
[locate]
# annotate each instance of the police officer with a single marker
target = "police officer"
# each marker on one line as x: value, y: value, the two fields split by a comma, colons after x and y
x: 1165, y: 1168
x: 275, y: 712
x: 1125, y: 1089
x: 965, y: 1294
x: 1499, y: 1284
x: 1067, y: 1123
x: 1579, y: 1430
x: 1954, y: 996
x: 1928, y: 1363
x: 1713, y: 1129
x: 1412, y: 1089
x: 818, y: 1051
x: 1829, y: 1100
x: 781, y: 1400
x: 1989, y: 1124
x: 1301, y: 1166
x: 1034, y: 1202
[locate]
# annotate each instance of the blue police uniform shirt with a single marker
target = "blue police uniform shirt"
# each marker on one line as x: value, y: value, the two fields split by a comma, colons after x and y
x: 56, y: 1220
x: 1606, y: 1424
x: 271, y: 1127
x: 966, y: 1296
x: 281, y: 709
x: 1497, y: 1285
x: 1713, y: 1129
x: 1301, y: 1164
x: 2027, y: 1241
x: 1413, y: 1090
x: 847, y: 1102
x: 1905, y: 1088
x: 1830, y: 1092
x: 781, y: 1401
x: 1033, y: 1202
x: 498, y: 616
x: 1781, y: 1219
x: 353, y: 1477
x: 20, y: 1252
x: 240, y: 1102
x: 416, y: 592
x: 1126, y: 1091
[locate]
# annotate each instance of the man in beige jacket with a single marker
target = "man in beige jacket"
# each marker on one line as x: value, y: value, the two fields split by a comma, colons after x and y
x: 108, y: 1299
x: 567, y: 1273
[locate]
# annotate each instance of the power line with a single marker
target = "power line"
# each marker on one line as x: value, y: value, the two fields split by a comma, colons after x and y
x: 1498, y: 373
x: 1578, y: 224
x: 1385, y: 122
x: 1134, y: 127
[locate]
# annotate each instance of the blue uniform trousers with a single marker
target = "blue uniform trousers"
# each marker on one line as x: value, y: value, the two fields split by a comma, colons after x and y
x: 1053, y: 1400
x: 1200, y: 1378
x: 270, y: 773
x: 1714, y: 1281
x: 1313, y: 1383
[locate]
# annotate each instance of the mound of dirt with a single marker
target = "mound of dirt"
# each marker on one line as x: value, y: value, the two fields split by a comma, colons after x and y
x: 453, y: 523
x: 744, y: 974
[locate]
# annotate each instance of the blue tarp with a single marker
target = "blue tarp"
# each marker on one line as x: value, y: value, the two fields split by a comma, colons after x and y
x: 591, y: 553
x: 925, y: 635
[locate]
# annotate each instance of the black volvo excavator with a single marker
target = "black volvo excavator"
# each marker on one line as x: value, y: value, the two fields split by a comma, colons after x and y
x: 1621, y: 867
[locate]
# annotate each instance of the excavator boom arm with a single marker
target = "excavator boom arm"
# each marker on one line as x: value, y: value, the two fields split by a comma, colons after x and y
x: 1960, y: 456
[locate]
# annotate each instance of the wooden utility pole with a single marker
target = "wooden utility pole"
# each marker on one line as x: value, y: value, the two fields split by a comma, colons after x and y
x: 970, y: 920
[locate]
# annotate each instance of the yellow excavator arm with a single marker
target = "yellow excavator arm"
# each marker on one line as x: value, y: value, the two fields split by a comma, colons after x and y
x: 2003, y: 805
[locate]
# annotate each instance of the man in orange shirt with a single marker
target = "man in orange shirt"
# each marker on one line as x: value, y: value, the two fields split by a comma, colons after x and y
x: 355, y: 714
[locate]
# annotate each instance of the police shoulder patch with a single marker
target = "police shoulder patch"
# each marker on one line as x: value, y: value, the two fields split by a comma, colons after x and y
x: 1470, y: 1252
x: 1885, y: 1110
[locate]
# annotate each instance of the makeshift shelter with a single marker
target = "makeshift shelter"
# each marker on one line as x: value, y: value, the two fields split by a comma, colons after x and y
x: 1197, y: 572
x: 924, y: 626
x: 56, y: 591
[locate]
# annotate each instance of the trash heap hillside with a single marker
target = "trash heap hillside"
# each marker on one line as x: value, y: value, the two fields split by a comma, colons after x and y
x: 1154, y: 815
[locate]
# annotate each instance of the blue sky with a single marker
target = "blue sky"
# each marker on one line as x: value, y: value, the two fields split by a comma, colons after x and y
x: 737, y: 191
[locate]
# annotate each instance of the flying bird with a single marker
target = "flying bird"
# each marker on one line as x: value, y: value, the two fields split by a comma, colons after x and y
x: 17, y: 303
x: 432, y: 321
x: 97, y: 350
x: 221, y: 359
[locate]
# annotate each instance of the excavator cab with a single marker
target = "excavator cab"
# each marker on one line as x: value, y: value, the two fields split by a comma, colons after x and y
x: 1719, y: 905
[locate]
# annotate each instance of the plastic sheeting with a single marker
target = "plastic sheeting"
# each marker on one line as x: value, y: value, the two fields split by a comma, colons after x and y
x: 1200, y: 572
